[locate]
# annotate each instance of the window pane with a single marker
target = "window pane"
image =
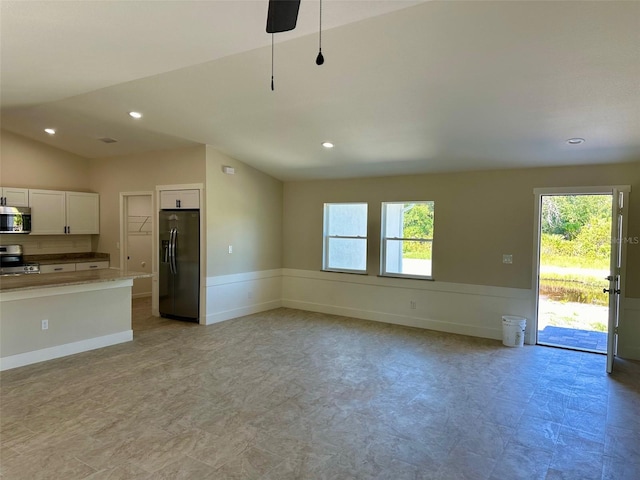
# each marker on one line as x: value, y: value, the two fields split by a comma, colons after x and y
x: 347, y: 254
x: 348, y: 220
x: 409, y: 220
x: 418, y: 220
x: 408, y: 257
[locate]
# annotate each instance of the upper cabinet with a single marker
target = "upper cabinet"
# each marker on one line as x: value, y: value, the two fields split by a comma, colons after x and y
x: 54, y: 212
x: 48, y: 215
x: 14, y: 197
x: 172, y: 199
x: 83, y: 213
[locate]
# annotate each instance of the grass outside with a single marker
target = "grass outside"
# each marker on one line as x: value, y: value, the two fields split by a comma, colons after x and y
x: 571, y: 294
x: 574, y: 262
x: 578, y: 316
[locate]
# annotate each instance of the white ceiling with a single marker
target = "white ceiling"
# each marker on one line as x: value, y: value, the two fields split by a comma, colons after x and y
x: 407, y: 86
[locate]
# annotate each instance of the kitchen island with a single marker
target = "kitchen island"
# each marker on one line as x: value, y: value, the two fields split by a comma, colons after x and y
x: 48, y: 316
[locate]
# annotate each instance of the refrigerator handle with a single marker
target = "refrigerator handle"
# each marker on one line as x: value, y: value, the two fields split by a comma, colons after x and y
x: 170, y: 251
x: 174, y: 239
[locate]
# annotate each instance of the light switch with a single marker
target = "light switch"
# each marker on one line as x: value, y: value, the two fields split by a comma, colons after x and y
x: 507, y: 259
x: 230, y: 248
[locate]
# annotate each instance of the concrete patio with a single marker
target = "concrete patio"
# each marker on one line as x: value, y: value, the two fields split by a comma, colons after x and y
x: 573, y: 338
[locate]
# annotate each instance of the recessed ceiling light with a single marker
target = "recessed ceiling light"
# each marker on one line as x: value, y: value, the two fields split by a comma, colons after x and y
x: 575, y: 141
x: 327, y: 144
x: 50, y: 131
x: 135, y: 114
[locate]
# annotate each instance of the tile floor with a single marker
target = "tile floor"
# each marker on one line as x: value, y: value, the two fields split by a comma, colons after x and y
x: 288, y: 394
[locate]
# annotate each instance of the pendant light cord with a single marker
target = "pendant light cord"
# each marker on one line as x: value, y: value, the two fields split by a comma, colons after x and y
x: 320, y: 57
x: 320, y: 33
x: 272, y: 62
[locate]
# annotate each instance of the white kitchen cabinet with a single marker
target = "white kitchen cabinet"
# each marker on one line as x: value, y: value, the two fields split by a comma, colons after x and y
x: 83, y: 213
x: 58, y: 268
x: 56, y: 212
x: 172, y: 199
x: 91, y: 265
x: 48, y: 215
x: 14, y: 197
x: 73, y: 267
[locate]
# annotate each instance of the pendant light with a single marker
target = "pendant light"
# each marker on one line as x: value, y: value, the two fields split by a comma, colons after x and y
x: 282, y: 16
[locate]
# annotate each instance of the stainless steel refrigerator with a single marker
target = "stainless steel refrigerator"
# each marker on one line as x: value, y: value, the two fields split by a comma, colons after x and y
x: 179, y: 289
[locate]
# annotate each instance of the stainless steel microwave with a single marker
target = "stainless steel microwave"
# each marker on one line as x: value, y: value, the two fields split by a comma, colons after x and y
x: 15, y: 220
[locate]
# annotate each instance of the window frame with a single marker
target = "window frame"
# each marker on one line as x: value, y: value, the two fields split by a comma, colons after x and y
x: 384, y: 240
x: 326, y: 237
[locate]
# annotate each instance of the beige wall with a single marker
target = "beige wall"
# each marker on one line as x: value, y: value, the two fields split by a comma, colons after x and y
x: 243, y: 210
x: 30, y: 164
x: 479, y: 217
x: 133, y: 173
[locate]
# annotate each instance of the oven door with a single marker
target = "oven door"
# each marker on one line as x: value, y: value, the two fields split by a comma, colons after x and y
x: 15, y: 220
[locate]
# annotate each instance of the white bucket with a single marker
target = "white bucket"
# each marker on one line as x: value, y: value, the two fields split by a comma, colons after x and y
x: 513, y: 331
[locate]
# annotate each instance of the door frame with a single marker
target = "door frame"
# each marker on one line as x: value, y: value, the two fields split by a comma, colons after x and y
x: 124, y: 198
x: 538, y: 193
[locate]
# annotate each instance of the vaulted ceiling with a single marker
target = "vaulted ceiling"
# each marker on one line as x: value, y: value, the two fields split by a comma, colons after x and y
x: 407, y: 86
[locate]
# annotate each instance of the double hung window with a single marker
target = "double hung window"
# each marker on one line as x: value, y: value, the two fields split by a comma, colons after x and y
x: 407, y: 239
x: 345, y: 237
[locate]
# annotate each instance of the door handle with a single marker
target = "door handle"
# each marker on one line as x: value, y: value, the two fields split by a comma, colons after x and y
x: 615, y: 291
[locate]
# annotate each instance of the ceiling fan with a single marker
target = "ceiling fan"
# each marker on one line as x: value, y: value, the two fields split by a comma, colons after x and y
x: 282, y: 16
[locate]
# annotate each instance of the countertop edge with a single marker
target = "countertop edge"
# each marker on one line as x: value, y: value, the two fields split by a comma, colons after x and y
x: 23, y: 283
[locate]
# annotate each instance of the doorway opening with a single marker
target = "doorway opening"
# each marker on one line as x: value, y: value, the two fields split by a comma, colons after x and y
x: 574, y: 265
x: 136, y: 247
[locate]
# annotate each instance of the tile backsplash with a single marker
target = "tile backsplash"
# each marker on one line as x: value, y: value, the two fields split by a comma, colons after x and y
x: 45, y: 244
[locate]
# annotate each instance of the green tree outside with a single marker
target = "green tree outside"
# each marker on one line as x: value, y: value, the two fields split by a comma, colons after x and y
x: 418, y: 223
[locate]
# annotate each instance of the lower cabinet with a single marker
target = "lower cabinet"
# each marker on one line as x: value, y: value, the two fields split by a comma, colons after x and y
x: 73, y: 267
x: 58, y: 268
x: 91, y: 266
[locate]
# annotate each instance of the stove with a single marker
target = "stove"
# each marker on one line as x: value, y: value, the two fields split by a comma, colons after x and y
x: 12, y: 261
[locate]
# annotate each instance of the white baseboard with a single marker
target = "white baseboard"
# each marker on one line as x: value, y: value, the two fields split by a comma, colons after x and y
x: 241, y: 311
x: 232, y: 296
x: 28, y: 358
x: 474, y: 310
x: 396, y: 319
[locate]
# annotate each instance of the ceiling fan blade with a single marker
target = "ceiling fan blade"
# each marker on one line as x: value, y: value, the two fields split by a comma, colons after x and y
x: 282, y: 15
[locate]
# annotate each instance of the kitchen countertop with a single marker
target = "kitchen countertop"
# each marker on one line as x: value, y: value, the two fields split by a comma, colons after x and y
x: 11, y: 283
x: 58, y: 258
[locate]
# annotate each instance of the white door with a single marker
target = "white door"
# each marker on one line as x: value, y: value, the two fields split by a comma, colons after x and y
x: 614, y: 290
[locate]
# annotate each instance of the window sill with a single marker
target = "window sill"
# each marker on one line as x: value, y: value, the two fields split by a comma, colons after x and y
x: 407, y: 277
x: 344, y: 271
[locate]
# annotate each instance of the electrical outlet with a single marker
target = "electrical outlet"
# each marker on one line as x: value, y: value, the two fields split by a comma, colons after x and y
x: 507, y: 259
x: 412, y: 304
x: 45, y: 324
